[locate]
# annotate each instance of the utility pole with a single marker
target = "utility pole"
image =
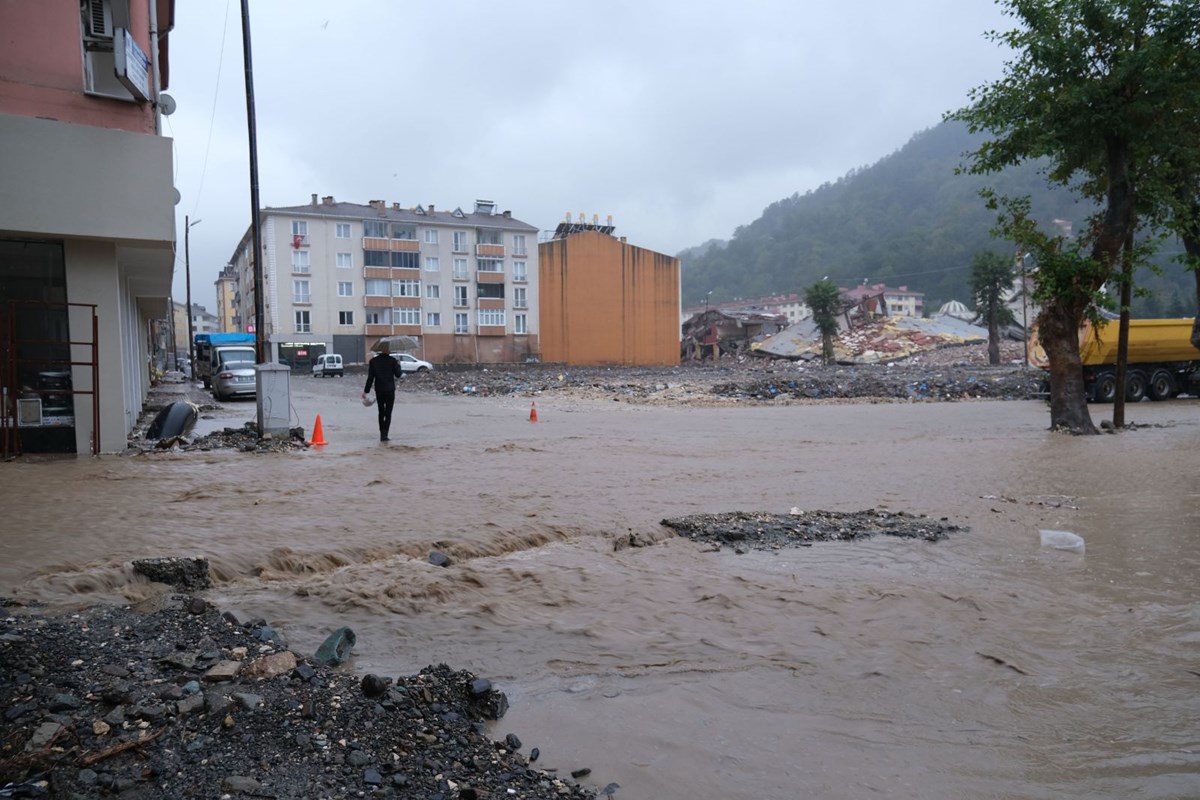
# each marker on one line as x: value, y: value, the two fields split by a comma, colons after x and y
x: 260, y: 322
x: 187, y: 268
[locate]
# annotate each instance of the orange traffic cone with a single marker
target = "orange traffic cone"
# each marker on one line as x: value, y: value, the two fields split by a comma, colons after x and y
x: 533, y: 411
x: 318, y: 433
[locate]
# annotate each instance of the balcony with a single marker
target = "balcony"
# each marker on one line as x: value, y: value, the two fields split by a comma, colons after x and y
x: 489, y: 277
x: 489, y: 251
x: 375, y: 243
x: 377, y: 301
x: 405, y: 246
x: 491, y: 330
x: 383, y: 273
x: 491, y: 302
x: 378, y: 330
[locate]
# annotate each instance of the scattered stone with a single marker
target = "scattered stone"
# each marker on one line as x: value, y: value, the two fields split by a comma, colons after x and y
x: 439, y: 559
x: 271, y: 665
x: 336, y: 648
x: 765, y: 531
x: 512, y: 741
x: 375, y: 686
x: 223, y: 671
x: 185, y: 574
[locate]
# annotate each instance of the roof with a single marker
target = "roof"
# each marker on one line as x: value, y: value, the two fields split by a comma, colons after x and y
x: 888, y: 339
x: 418, y: 215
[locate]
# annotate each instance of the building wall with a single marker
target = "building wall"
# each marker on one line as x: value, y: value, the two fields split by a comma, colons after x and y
x: 285, y: 259
x: 604, y: 301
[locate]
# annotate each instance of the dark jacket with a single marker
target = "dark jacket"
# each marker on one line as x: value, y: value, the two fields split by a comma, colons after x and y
x: 382, y: 370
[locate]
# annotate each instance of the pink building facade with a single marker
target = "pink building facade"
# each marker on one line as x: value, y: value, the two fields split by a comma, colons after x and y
x: 87, y: 218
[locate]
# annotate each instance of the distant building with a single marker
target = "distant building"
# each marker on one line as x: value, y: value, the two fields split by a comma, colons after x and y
x: 604, y: 301
x: 227, y: 293
x: 87, y: 220
x: 340, y: 276
x: 901, y: 302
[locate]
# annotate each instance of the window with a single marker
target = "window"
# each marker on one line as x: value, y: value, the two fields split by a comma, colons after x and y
x: 406, y: 316
x: 300, y: 293
x: 375, y: 229
x: 345, y: 318
x: 519, y: 297
x: 342, y: 231
x: 376, y: 258
x: 408, y: 232
x: 345, y: 260
x: 460, y: 297
x: 431, y: 236
x: 491, y: 316
x: 432, y: 291
x: 303, y: 322
x: 519, y: 271
x: 432, y: 264
x: 492, y: 290
x: 406, y: 288
x: 489, y: 265
x: 378, y: 287
x: 460, y: 269
x: 433, y: 320
x: 520, y: 325
x: 345, y: 289
x: 460, y: 324
x: 300, y: 261
x: 373, y: 318
x: 406, y: 260
x: 519, y: 244
x: 460, y: 241
x: 299, y: 227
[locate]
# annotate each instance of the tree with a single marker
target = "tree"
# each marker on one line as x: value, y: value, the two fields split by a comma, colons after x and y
x: 1093, y: 87
x: 991, y: 279
x: 826, y: 303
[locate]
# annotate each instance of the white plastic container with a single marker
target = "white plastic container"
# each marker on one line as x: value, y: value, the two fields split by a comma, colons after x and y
x: 1062, y: 540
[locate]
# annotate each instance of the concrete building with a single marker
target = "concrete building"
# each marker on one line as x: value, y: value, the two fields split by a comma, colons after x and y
x: 202, y: 322
x: 87, y: 219
x: 901, y: 302
x: 340, y: 276
x: 226, y: 285
x: 604, y: 301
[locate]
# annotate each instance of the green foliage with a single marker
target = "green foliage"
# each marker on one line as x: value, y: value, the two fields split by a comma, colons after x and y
x: 992, y: 278
x: 826, y: 303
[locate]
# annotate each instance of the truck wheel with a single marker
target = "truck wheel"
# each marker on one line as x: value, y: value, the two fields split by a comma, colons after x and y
x: 1104, y: 390
x: 1135, y: 386
x: 1161, y: 386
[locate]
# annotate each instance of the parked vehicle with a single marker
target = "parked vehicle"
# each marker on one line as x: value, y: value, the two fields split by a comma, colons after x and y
x: 216, y: 349
x: 234, y: 379
x: 1161, y: 362
x: 328, y: 365
x: 410, y: 363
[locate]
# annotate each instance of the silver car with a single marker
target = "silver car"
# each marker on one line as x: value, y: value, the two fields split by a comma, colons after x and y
x: 236, y: 378
x: 410, y: 363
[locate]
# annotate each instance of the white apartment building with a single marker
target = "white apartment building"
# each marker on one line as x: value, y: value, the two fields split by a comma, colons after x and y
x: 340, y: 276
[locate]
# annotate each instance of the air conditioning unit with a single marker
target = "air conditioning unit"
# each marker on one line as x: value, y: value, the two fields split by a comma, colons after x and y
x: 99, y: 19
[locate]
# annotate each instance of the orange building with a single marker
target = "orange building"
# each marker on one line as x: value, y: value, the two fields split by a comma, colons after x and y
x: 603, y: 301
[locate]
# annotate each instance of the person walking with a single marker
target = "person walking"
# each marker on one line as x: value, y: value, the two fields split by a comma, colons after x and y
x: 382, y: 372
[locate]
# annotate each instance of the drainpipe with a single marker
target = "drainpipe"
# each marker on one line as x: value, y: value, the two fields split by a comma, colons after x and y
x: 154, y: 67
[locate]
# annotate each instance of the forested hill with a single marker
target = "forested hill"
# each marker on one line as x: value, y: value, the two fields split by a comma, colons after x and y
x: 906, y: 220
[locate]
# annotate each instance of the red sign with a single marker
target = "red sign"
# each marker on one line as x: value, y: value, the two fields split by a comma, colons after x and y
x: 301, y: 352
x: 250, y: 328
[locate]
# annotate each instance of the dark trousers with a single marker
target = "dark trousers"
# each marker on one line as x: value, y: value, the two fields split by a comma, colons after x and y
x: 385, y: 401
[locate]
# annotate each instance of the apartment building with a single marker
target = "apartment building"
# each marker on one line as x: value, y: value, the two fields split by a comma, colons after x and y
x: 339, y: 276
x: 87, y: 219
x: 226, y: 286
x: 901, y: 301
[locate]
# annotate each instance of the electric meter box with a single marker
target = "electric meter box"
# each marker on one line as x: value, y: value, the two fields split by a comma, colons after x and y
x: 274, y: 399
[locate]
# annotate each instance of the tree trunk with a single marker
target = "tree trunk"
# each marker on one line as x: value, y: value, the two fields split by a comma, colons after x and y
x: 827, y: 348
x: 1058, y: 329
x: 993, y: 339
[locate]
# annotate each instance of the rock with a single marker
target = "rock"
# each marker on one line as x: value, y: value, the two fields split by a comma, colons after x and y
x: 64, y: 702
x: 512, y: 741
x: 336, y: 648
x: 357, y: 758
x: 581, y: 773
x: 375, y: 686
x: 304, y: 672
x: 271, y: 665
x: 372, y: 777
x: 533, y: 755
x: 480, y: 686
x: 248, y: 701
x: 240, y: 784
x: 43, y: 735
x: 187, y: 574
x: 100, y: 727
x: 439, y: 559
x: 223, y: 671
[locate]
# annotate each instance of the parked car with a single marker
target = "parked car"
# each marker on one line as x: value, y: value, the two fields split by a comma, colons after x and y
x: 233, y: 379
x: 327, y: 365
x: 410, y: 363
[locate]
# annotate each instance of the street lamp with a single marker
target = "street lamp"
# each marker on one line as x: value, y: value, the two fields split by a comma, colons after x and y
x: 187, y: 267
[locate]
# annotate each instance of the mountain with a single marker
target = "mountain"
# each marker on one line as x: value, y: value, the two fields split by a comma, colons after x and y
x: 906, y: 220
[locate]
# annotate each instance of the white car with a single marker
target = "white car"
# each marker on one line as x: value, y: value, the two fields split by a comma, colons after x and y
x: 328, y: 365
x: 410, y: 363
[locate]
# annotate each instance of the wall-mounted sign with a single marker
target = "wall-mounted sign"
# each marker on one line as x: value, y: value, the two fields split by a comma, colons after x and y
x: 132, y: 65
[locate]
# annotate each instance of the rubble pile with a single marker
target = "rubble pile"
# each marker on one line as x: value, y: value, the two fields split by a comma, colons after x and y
x: 765, y: 531
x: 892, y: 383
x: 186, y: 702
x: 245, y: 439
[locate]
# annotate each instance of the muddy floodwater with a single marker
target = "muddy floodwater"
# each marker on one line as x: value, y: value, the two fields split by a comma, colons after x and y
x: 980, y: 666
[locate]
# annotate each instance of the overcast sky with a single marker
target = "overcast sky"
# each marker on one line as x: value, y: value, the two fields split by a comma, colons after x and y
x: 683, y: 119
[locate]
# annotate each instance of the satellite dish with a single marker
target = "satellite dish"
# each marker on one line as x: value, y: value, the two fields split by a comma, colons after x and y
x: 167, y: 104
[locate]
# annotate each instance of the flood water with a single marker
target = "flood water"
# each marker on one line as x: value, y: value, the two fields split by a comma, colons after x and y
x: 982, y: 666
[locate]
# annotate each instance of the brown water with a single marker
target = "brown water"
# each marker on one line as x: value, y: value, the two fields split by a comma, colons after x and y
x: 982, y: 666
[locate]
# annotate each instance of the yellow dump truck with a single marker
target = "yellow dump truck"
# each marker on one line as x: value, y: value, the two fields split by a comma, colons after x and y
x: 1161, y: 364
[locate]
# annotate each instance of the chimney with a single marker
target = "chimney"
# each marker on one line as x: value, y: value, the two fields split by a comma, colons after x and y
x: 314, y: 200
x: 395, y: 206
x: 508, y: 215
x: 431, y: 208
x: 327, y: 200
